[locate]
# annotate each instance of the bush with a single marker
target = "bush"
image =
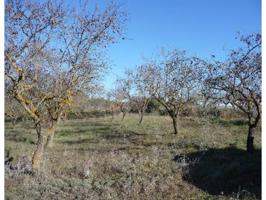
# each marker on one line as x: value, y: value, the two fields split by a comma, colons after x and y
x: 153, y: 106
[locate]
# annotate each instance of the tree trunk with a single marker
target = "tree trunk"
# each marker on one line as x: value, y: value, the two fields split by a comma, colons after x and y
x: 141, y: 117
x: 124, y: 114
x: 51, y: 132
x: 174, y: 118
x: 14, y: 121
x: 50, y: 136
x: 250, y: 139
x: 38, y: 154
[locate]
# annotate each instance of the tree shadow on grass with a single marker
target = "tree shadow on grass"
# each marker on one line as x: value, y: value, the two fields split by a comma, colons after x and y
x: 87, y: 123
x: 103, y: 134
x: 229, y: 123
x: 81, y: 141
x: 225, y: 171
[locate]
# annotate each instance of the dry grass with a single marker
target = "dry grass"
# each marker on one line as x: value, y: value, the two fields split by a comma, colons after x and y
x: 99, y: 158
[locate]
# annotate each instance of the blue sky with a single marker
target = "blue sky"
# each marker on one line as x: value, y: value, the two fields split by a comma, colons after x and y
x: 202, y: 27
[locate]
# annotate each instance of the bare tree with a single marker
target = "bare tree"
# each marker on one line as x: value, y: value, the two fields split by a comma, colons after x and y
x: 140, y: 103
x: 238, y: 81
x: 112, y: 106
x: 13, y: 110
x: 130, y: 93
x: 141, y: 95
x: 173, y: 81
x: 121, y: 95
x: 51, y: 53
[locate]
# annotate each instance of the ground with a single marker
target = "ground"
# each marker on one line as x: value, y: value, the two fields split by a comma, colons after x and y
x: 101, y: 158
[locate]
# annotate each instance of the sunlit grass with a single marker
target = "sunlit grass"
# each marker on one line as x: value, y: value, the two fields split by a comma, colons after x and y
x: 101, y: 158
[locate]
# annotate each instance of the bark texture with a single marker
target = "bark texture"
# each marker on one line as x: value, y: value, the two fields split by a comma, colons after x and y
x: 38, y: 153
x: 250, y: 139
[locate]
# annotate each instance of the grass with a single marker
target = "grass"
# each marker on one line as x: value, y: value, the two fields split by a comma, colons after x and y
x: 100, y: 158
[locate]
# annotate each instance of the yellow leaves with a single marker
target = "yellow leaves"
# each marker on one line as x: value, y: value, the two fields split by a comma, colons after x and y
x: 68, y: 100
x: 14, y: 65
x: 29, y: 109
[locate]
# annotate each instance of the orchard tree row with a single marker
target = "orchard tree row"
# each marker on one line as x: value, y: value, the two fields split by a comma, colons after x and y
x: 53, y: 54
x: 178, y: 81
